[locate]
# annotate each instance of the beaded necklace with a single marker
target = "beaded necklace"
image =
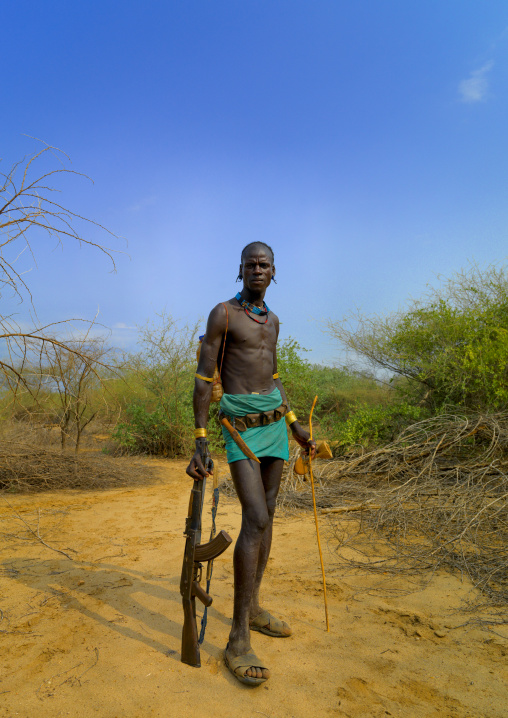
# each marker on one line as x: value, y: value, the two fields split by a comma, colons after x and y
x: 248, y: 307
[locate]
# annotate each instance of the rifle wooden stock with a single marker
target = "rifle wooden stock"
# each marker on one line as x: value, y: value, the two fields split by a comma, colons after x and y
x: 190, y: 645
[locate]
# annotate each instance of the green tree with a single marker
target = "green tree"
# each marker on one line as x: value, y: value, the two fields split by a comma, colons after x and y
x: 449, y: 348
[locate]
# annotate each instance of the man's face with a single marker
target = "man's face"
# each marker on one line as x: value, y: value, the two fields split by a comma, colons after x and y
x: 257, y: 269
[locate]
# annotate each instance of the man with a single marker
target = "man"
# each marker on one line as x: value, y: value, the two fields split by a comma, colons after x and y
x: 241, y: 335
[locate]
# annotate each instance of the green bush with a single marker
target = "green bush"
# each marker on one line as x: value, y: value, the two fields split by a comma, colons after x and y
x: 154, y: 432
x: 297, y: 376
x: 339, y: 390
x: 377, y: 424
x: 155, y: 396
x: 149, y: 432
x: 156, y: 406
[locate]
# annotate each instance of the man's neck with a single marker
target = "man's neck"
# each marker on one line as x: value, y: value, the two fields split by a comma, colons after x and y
x: 253, y: 297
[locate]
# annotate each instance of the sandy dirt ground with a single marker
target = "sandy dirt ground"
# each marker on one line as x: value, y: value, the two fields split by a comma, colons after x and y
x: 100, y: 635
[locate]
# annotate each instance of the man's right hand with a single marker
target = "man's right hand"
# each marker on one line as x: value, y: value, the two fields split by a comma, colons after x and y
x: 195, y: 469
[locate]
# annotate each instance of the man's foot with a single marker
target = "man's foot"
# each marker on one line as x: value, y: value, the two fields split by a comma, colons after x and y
x: 265, y: 623
x: 247, y: 668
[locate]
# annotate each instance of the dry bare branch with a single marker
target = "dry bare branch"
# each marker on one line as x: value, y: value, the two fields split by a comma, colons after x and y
x: 28, y: 211
x: 26, y: 203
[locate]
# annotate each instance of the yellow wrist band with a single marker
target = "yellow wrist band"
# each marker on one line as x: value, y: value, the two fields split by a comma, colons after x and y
x: 199, y: 433
x: 205, y: 378
x: 276, y: 376
x: 290, y: 418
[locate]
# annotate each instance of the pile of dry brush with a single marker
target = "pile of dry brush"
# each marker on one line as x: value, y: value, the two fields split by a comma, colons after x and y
x: 28, y: 463
x: 436, y: 497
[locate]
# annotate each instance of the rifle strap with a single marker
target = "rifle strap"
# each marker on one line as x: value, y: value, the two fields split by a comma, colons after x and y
x: 225, y: 335
x: 215, y: 503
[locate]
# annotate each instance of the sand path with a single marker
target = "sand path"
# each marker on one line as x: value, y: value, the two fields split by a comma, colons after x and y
x: 100, y: 635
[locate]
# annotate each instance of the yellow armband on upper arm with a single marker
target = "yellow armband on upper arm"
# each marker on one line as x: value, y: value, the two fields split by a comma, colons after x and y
x: 290, y: 418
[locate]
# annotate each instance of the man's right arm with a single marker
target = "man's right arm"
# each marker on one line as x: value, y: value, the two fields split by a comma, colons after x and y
x: 215, y: 330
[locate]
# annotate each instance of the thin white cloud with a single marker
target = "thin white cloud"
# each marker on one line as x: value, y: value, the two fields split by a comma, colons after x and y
x: 143, y: 203
x: 475, y: 87
x: 121, y: 325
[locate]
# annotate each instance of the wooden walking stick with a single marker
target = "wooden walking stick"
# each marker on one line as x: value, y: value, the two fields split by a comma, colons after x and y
x: 315, y: 515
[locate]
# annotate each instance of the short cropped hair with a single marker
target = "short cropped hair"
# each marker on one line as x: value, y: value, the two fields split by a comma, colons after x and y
x: 253, y: 244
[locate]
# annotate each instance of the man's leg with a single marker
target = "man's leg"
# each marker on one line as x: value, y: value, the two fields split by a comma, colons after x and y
x: 250, y: 487
x: 271, y: 473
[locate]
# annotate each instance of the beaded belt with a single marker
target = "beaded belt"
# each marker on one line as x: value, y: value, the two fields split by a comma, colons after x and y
x: 250, y: 421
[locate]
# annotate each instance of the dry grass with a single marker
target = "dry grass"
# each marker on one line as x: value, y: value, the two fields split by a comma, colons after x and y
x: 29, y: 463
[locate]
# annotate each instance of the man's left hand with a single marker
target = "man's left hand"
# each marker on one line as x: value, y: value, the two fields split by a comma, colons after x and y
x: 302, y: 438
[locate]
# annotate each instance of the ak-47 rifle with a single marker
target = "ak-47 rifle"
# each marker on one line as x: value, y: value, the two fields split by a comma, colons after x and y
x: 195, y: 554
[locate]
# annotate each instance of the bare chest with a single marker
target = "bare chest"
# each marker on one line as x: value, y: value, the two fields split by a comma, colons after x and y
x: 244, y: 333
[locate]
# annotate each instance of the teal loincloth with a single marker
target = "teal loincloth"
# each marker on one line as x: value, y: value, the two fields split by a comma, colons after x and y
x: 268, y: 440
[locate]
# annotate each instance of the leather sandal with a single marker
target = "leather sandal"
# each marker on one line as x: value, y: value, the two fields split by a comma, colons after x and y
x: 269, y: 625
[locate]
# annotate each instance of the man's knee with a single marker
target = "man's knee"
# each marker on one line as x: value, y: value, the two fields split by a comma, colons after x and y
x: 256, y: 521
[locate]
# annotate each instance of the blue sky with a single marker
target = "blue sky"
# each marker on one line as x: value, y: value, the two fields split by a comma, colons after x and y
x: 365, y: 141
